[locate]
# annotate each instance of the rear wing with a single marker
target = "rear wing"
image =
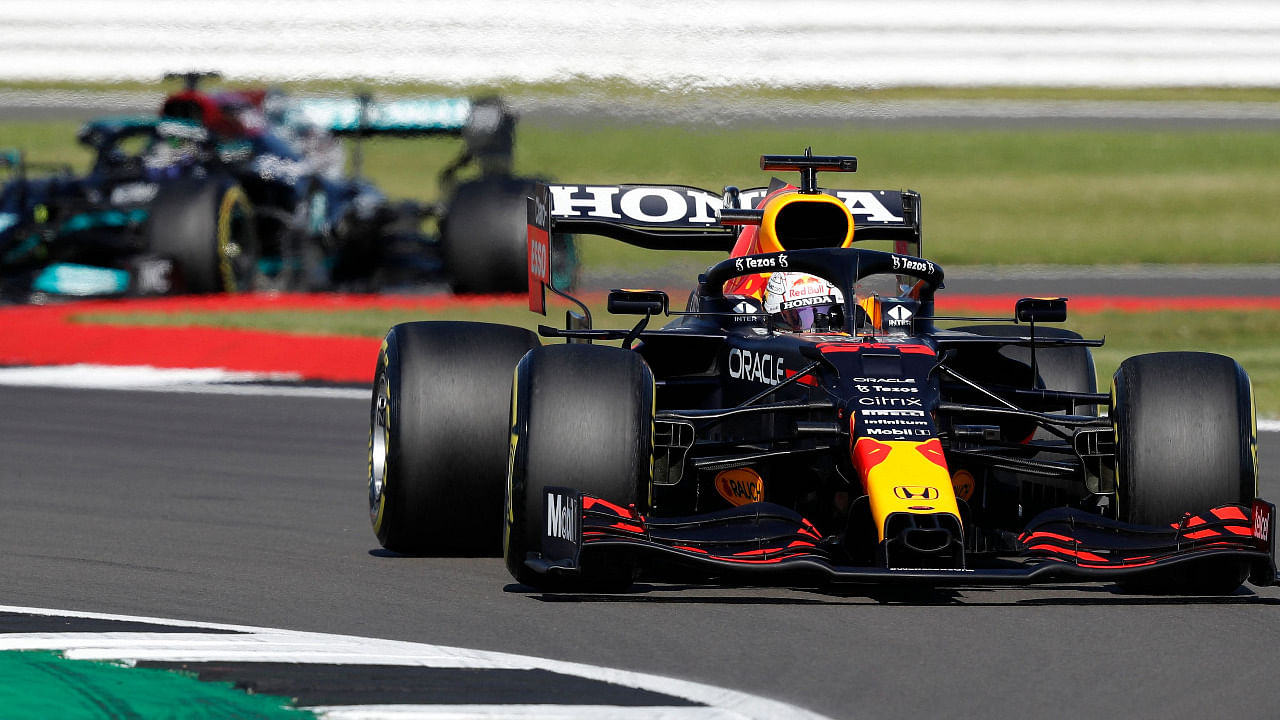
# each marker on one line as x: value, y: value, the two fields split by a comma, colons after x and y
x: 362, y: 116
x: 678, y: 217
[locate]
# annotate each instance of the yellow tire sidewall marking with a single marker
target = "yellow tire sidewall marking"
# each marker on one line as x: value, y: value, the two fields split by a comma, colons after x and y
x: 230, y: 199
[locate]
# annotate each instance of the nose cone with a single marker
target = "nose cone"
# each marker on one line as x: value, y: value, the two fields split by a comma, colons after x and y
x: 906, y: 477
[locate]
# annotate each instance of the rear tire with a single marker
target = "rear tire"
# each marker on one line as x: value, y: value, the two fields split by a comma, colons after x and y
x: 582, y: 418
x: 206, y: 227
x: 483, y: 237
x: 1186, y: 441
x: 438, y: 436
x: 1058, y: 368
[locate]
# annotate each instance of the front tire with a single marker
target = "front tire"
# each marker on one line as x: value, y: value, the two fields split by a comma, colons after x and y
x: 1186, y: 441
x: 1185, y: 435
x: 438, y: 436
x: 582, y: 418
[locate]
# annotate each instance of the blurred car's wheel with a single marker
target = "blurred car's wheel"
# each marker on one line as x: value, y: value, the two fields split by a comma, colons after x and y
x: 582, y: 419
x: 205, y: 225
x: 438, y: 436
x: 484, y: 243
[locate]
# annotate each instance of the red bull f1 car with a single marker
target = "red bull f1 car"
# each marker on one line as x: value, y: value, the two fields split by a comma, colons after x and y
x: 807, y: 418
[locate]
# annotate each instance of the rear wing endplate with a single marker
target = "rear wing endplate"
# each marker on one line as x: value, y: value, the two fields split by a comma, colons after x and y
x: 538, y: 249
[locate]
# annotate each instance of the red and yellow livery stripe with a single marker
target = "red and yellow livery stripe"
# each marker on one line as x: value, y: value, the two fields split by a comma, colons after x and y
x: 904, y: 476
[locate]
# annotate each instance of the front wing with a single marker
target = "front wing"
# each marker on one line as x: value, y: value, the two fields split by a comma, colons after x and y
x: 772, y: 543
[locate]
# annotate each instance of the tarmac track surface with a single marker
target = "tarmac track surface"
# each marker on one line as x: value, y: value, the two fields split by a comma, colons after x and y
x: 252, y: 510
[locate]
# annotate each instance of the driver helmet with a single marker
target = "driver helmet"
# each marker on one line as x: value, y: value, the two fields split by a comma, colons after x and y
x: 799, y: 302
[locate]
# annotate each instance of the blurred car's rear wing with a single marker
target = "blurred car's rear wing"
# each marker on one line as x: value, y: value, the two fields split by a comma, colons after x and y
x: 363, y: 116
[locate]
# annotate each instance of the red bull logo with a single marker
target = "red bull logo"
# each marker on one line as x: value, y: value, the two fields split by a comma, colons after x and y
x: 804, y: 287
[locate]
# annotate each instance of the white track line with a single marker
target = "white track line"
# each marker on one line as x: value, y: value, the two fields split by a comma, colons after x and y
x: 128, y: 377
x: 209, y: 381
x: 255, y: 644
x: 517, y: 712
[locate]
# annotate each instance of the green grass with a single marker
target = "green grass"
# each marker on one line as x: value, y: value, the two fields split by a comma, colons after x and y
x: 990, y: 197
x: 1252, y: 337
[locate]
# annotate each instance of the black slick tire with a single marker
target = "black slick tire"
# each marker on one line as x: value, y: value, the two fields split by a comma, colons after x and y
x: 1058, y: 368
x: 1186, y: 441
x: 483, y: 236
x: 205, y: 225
x: 438, y: 436
x: 1185, y: 437
x: 582, y: 418
x: 1067, y: 368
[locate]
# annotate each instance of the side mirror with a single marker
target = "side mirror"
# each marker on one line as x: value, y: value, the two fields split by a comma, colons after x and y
x: 638, y: 302
x: 1040, y: 310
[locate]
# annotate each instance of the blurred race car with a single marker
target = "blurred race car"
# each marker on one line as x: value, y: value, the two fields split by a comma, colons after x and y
x: 247, y: 190
x: 807, y: 419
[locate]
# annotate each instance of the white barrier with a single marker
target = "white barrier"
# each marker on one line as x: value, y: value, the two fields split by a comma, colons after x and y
x: 683, y: 44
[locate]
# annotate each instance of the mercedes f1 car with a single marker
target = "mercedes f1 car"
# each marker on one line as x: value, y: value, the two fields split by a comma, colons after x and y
x: 807, y: 418
x: 247, y: 190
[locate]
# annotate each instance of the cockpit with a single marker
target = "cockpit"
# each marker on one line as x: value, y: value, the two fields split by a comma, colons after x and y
x: 834, y: 290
